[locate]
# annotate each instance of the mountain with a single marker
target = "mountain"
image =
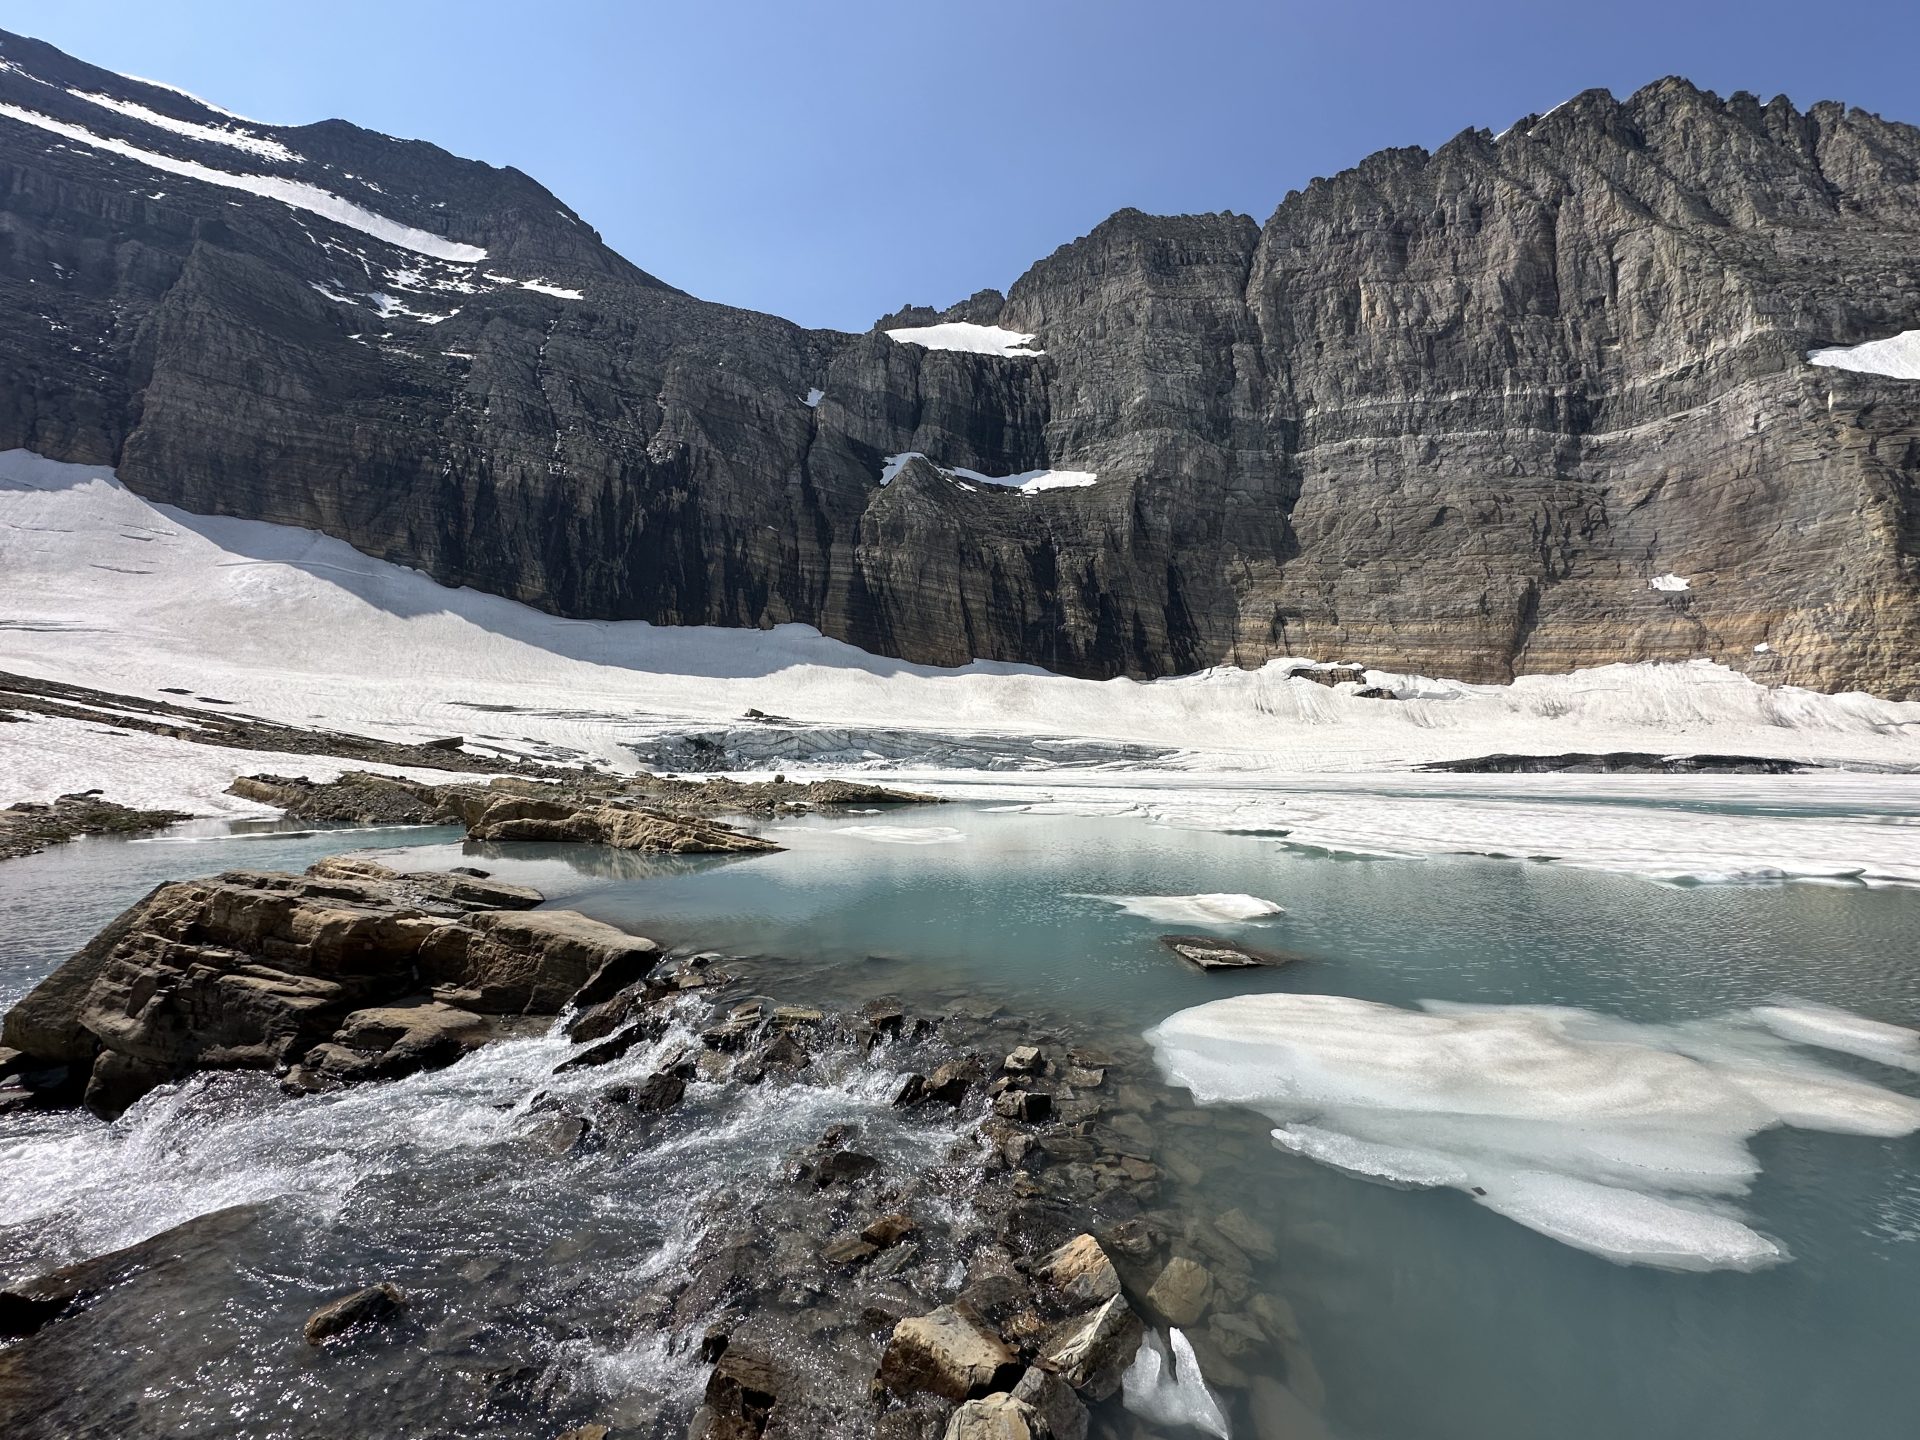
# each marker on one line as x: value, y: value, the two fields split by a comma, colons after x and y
x: 1529, y: 402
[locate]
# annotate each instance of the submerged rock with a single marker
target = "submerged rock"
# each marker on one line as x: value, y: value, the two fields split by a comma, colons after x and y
x: 1181, y: 1293
x: 370, y: 1306
x: 1209, y: 952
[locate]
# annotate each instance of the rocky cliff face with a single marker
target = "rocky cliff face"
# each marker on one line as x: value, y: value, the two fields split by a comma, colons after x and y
x: 1450, y: 412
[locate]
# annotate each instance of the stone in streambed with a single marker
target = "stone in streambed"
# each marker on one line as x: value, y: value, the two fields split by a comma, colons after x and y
x: 1181, y: 1293
x: 1092, y: 1351
x: 1058, y: 1409
x: 374, y: 1304
x: 996, y: 1417
x: 950, y: 1352
x: 1079, y: 1273
x: 742, y: 1396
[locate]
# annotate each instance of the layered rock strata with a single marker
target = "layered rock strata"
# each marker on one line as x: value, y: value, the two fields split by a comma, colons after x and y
x: 348, y: 972
x: 1450, y: 411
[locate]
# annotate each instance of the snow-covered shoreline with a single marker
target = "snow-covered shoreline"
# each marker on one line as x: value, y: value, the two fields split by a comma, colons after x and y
x: 101, y: 588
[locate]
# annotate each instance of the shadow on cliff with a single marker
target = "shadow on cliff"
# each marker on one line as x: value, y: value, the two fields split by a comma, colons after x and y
x: 99, y: 530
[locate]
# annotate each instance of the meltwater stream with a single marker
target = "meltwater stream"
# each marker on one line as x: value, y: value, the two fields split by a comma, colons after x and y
x: 1421, y: 1312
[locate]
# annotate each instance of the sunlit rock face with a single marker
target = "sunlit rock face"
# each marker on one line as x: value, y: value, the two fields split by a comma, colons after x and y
x: 1472, y: 412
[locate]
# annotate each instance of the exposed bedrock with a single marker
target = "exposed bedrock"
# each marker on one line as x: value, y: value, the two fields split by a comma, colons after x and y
x: 1446, y: 411
x: 348, y: 972
x: 630, y: 812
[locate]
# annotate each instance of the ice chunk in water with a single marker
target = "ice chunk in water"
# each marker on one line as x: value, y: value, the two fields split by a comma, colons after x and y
x: 1171, y: 1392
x: 1832, y: 1029
x: 1625, y: 1140
x: 1210, y: 909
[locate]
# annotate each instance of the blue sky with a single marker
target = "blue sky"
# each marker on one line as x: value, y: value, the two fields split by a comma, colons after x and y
x: 830, y: 161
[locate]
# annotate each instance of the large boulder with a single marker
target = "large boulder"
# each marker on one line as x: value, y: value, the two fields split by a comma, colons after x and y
x: 996, y: 1417
x: 322, y: 971
x: 951, y: 1352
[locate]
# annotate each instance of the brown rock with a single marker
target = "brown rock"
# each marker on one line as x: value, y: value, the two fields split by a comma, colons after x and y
x: 1180, y: 1294
x: 1079, y: 1273
x: 950, y: 1352
x: 374, y: 1304
x: 995, y: 1417
x: 742, y: 1396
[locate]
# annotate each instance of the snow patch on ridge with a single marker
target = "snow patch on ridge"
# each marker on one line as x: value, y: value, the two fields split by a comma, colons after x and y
x: 230, y: 136
x: 1670, y: 582
x: 1897, y: 356
x: 1626, y: 1140
x: 966, y: 336
x: 295, y: 193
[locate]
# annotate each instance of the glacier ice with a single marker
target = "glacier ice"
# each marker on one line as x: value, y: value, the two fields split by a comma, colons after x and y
x: 1626, y: 1140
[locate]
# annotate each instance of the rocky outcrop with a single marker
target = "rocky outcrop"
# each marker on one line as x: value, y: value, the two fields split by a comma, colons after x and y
x: 348, y: 972
x: 1447, y: 411
x: 634, y: 812
x: 26, y: 828
x: 612, y: 825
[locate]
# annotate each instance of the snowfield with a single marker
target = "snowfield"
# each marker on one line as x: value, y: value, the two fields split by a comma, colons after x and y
x: 296, y: 193
x: 100, y: 588
x: 1897, y: 357
x: 964, y: 335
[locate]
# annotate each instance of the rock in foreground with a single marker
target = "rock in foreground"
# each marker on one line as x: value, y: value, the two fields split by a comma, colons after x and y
x: 348, y: 972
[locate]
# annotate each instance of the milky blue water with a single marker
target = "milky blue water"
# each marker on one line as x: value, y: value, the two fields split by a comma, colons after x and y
x: 1423, y: 1315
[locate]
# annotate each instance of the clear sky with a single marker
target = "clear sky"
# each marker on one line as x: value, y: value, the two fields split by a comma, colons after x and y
x: 832, y: 160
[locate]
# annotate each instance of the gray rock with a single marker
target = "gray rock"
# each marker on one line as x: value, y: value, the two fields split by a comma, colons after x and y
x: 1091, y: 1352
x: 1209, y: 952
x: 1054, y: 1403
x: 996, y: 1417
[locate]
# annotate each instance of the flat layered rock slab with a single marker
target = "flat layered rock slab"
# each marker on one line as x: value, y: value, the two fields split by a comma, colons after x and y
x: 1209, y: 952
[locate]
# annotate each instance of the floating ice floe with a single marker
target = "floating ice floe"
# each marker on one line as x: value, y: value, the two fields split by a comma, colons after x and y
x: 1897, y: 356
x: 1626, y: 1140
x: 1169, y: 1390
x: 1670, y: 581
x: 964, y: 335
x: 1207, y: 909
x: 1829, y: 1028
x: 902, y: 834
x: 296, y: 193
